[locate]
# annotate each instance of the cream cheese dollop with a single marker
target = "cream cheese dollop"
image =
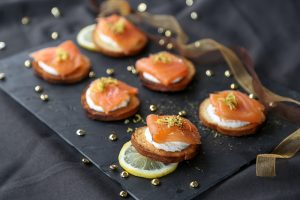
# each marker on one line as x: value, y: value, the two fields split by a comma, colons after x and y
x: 48, y: 68
x: 97, y: 108
x: 151, y: 78
x: 223, y: 122
x: 167, y: 146
x: 109, y: 42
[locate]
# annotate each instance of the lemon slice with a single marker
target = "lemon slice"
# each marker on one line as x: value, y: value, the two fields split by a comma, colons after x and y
x: 84, y: 38
x: 139, y: 165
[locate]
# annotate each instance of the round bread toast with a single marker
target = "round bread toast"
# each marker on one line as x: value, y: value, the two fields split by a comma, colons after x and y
x: 240, y: 131
x: 138, y: 140
x: 119, y: 114
x: 76, y: 76
x: 181, y: 85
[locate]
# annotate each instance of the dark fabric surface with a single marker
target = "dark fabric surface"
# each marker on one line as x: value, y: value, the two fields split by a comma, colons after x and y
x: 37, y: 164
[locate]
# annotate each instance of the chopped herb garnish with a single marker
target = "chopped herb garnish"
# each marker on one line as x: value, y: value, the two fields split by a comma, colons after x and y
x: 118, y: 27
x: 230, y: 101
x: 171, y: 121
x: 162, y: 57
x: 105, y: 81
x: 61, y: 55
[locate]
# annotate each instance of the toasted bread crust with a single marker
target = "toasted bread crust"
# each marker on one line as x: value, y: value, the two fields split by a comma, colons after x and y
x: 76, y: 76
x: 117, y: 54
x: 240, y: 131
x: 181, y: 85
x: 115, y: 115
x: 145, y: 148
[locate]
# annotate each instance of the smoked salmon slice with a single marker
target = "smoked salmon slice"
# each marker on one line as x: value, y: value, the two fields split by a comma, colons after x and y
x: 163, y: 66
x: 235, y: 105
x: 64, y: 58
x: 171, y: 128
x: 110, y: 93
x: 120, y: 30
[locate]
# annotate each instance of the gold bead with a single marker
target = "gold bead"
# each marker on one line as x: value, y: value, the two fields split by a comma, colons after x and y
x: 169, y: 46
x: 80, y: 132
x: 110, y: 71
x: 25, y: 20
x: 129, y: 130
x: 153, y: 108
x: 55, y: 12
x: 27, y: 63
x: 123, y: 194
x: 233, y: 86
x: 129, y: 68
x: 227, y: 73
x: 197, y: 44
x: 113, y: 137
x: 113, y: 167
x: 155, y: 182
x: 92, y: 74
x: 160, y: 30
x: 182, y: 113
x: 54, y: 35
x: 38, y: 89
x: 133, y: 71
x: 126, y: 121
x: 194, y: 15
x: 189, y: 2
x: 168, y: 33
x: 2, y: 45
x: 194, y: 184
x: 85, y: 161
x: 251, y: 96
x: 142, y: 7
x: 2, y: 76
x: 161, y: 42
x: 209, y: 73
x: 124, y: 174
x: 44, y: 97
x: 272, y: 104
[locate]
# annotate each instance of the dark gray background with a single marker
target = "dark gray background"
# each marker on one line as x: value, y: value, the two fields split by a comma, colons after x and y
x: 37, y: 164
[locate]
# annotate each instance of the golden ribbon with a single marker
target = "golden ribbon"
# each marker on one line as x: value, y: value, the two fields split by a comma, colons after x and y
x: 239, y: 63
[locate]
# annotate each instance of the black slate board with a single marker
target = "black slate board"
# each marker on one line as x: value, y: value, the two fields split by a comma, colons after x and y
x: 219, y: 156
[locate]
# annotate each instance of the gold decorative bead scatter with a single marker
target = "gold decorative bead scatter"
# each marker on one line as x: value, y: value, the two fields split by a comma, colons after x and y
x: 194, y: 15
x: 155, y: 182
x: 113, y: 167
x: 54, y: 35
x: 194, y: 184
x: 44, y: 97
x: 189, y: 2
x: 153, y: 108
x: 25, y: 20
x: 124, y: 174
x: 227, y: 73
x: 2, y: 76
x: 113, y: 137
x: 142, y: 7
x: 55, y: 12
x: 27, y: 63
x: 168, y: 33
x: 209, y: 73
x: 110, y: 71
x: 160, y: 30
x: 182, y: 113
x: 123, y: 194
x: 169, y: 46
x: 85, y: 161
x: 80, y: 132
x: 161, y: 42
x: 92, y: 74
x: 233, y: 86
x: 38, y: 89
x: 129, y: 68
x: 251, y: 96
x: 133, y: 71
x: 2, y: 45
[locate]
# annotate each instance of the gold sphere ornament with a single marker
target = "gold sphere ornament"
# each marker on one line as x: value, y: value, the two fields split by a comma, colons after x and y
x: 27, y: 63
x: 38, y: 89
x: 2, y: 76
x: 194, y: 184
x: 160, y: 30
x: 130, y: 68
x: 25, y: 20
x: 153, y: 108
x: 169, y: 46
x: 2, y: 45
x: 113, y: 137
x: 209, y: 73
x: 155, y: 182
x: 124, y: 174
x: 233, y: 86
x: 133, y: 71
x: 194, y: 15
x: 227, y: 73
x: 123, y: 194
x: 197, y: 44
x: 272, y: 104
x: 92, y: 74
x: 161, y: 42
x: 189, y: 2
x: 113, y: 167
x: 80, y: 132
x: 44, y: 97
x: 85, y: 161
x: 55, y: 12
x: 54, y: 35
x: 168, y: 33
x: 182, y: 113
x: 251, y: 96
x: 142, y: 7
x: 110, y: 71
